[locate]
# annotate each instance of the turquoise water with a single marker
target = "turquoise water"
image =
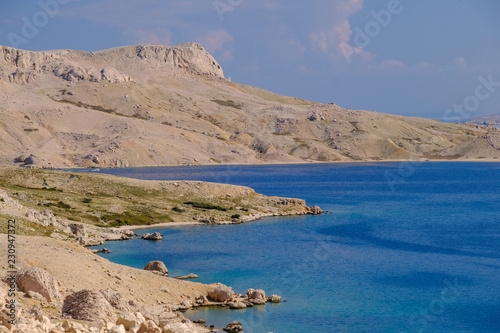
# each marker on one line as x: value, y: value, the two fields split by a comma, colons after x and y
x: 405, y: 247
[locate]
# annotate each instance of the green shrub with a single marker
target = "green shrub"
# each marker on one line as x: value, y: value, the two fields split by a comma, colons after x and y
x: 205, y: 205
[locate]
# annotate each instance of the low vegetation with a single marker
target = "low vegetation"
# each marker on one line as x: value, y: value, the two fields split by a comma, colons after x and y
x: 110, y: 201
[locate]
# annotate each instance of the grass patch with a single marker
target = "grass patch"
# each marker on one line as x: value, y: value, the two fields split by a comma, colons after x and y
x: 126, y: 218
x: 228, y: 102
x: 86, y: 106
x: 59, y: 204
x: 205, y: 205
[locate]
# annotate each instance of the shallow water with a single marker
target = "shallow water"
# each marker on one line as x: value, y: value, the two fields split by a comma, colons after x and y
x: 405, y: 247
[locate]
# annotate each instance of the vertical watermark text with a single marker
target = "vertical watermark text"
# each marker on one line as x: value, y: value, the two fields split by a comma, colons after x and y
x: 11, y: 272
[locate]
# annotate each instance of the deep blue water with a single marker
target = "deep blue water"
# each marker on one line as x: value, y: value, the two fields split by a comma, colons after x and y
x: 405, y: 247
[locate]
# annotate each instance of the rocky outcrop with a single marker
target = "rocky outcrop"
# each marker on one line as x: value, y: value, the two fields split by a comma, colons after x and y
x: 187, y: 277
x: 221, y: 293
x: 256, y: 296
x: 190, y: 56
x: 274, y: 299
x: 233, y: 327
x: 115, y: 299
x: 36, y: 280
x: 88, y: 305
x: 157, y: 267
x: 27, y: 66
x: 149, y: 326
x: 131, y: 321
x: 315, y: 210
x: 74, y: 73
x: 154, y: 236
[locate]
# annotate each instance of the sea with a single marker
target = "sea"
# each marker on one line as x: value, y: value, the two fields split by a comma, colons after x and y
x: 403, y: 247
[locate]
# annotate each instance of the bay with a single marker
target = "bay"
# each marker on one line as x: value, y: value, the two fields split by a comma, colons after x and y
x: 404, y: 247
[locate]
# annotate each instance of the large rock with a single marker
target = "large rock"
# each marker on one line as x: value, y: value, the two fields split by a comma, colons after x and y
x: 149, y: 326
x: 88, y: 305
x: 221, y: 293
x: 234, y: 327
x: 237, y: 305
x: 37, y: 280
x: 274, y: 299
x: 131, y: 322
x: 153, y: 236
x: 157, y: 266
x: 256, y: 296
x: 315, y: 210
x: 115, y: 299
x: 31, y: 160
x: 117, y: 329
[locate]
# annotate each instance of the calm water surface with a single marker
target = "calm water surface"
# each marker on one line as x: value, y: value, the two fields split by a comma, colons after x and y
x: 405, y: 247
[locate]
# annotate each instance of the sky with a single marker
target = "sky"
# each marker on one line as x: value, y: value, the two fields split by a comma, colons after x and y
x: 436, y: 59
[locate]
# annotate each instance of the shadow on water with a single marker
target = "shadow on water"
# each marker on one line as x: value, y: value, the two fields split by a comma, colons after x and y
x: 364, y: 232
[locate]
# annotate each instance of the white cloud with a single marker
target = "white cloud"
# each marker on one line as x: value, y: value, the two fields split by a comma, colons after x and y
x: 334, y: 39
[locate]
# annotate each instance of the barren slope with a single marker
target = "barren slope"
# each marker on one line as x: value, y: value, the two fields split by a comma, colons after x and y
x: 153, y: 105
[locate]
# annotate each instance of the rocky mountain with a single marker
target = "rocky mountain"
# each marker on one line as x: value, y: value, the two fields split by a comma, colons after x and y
x: 490, y: 120
x: 152, y: 105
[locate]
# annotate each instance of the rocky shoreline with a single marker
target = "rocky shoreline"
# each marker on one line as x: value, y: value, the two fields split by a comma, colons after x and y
x: 47, y: 300
x: 63, y: 286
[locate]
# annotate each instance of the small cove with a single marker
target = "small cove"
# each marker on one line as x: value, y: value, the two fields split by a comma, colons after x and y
x: 404, y: 247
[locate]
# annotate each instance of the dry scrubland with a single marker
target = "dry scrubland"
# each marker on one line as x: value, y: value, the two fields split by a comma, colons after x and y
x: 154, y: 105
x: 58, y: 212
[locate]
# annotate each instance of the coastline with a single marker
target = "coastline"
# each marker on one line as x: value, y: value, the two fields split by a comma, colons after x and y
x: 420, y: 160
x: 177, y: 224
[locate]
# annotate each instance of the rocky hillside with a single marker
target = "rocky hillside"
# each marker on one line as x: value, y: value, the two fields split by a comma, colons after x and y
x: 64, y: 287
x: 152, y: 105
x: 83, y: 205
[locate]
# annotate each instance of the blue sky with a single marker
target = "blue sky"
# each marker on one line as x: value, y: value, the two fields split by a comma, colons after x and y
x: 436, y: 59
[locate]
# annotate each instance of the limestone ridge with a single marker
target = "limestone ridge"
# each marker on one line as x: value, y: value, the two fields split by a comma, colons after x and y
x: 23, y: 67
x: 153, y: 105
